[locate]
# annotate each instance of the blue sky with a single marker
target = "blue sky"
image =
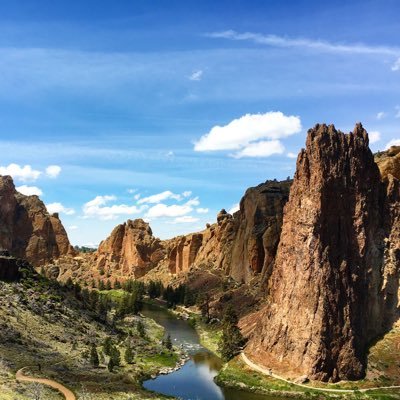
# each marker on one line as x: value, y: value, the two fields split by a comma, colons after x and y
x: 168, y: 111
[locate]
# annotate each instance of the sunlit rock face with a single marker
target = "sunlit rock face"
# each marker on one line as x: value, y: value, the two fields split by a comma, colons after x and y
x: 27, y: 230
x: 334, y: 283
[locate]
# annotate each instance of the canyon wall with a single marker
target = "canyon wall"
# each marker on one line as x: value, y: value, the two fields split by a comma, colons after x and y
x: 334, y: 284
x: 27, y: 230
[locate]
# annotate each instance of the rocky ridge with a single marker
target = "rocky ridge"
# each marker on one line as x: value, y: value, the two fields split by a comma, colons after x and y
x: 27, y: 230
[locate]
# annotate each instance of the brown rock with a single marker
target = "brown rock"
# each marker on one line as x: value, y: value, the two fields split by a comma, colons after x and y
x: 130, y: 251
x: 26, y: 228
x: 331, y: 290
x: 389, y: 162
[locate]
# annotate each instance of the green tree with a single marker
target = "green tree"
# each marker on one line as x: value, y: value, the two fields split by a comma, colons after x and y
x: 128, y: 355
x: 107, y: 346
x: 94, y: 357
x: 116, y: 356
x: 110, y: 365
x: 101, y: 285
x: 141, y: 329
x: 108, y: 285
x: 232, y: 340
x: 168, y: 342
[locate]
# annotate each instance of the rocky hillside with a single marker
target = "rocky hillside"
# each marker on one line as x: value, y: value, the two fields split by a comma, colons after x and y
x: 27, y: 230
x: 335, y: 280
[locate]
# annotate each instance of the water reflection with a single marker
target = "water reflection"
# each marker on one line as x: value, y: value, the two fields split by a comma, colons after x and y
x: 195, y: 380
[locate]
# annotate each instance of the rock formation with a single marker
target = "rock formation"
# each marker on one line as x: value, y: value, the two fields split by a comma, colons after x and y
x: 243, y: 245
x: 389, y: 162
x: 27, y: 230
x: 334, y: 284
x: 130, y: 251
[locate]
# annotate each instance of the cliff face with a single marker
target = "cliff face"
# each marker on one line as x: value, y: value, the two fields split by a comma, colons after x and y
x: 27, y: 230
x: 334, y: 285
x: 243, y: 245
x: 130, y: 251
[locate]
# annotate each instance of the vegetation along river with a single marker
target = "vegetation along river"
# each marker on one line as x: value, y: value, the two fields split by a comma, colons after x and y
x: 195, y: 380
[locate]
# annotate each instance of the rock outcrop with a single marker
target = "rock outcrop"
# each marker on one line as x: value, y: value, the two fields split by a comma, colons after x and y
x: 244, y: 244
x: 334, y: 284
x: 27, y: 230
x: 130, y: 251
x: 389, y: 162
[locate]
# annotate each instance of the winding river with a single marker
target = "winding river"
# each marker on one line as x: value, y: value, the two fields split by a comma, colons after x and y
x: 195, y: 380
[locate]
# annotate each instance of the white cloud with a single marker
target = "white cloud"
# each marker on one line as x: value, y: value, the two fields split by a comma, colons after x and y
x: 374, y: 137
x: 23, y: 174
x: 131, y: 191
x: 97, y: 208
x: 261, y: 149
x: 175, y: 210
x: 380, y: 115
x: 136, y: 196
x: 249, y: 128
x: 52, y: 171
x: 29, y: 190
x: 159, y: 197
x: 234, y: 208
x: 396, y: 65
x: 187, y: 193
x: 185, y: 219
x: 196, y: 75
x: 281, y: 41
x: 393, y: 142
x: 202, y: 210
x: 73, y: 228
x: 397, y: 108
x: 59, y: 208
x: 291, y: 155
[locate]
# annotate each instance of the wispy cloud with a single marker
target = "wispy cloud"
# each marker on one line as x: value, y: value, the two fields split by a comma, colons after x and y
x: 159, y: 197
x: 196, y: 75
x: 59, y: 208
x: 380, y: 115
x: 98, y: 208
x: 393, y: 142
x: 396, y: 65
x: 29, y: 190
x: 52, y: 171
x: 374, y: 136
x: 22, y: 173
x: 321, y: 45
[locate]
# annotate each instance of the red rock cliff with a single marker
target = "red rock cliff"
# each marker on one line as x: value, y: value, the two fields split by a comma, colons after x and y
x: 130, y: 251
x: 27, y: 230
x: 334, y: 285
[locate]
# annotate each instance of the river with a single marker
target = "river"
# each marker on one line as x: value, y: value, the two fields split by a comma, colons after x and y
x: 195, y: 380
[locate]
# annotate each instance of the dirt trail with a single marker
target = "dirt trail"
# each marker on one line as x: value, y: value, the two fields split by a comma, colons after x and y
x: 267, y: 371
x: 48, y: 382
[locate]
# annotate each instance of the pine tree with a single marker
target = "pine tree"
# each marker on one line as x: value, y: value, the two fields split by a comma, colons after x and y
x: 111, y: 365
x: 232, y: 340
x: 101, y: 285
x: 94, y: 357
x: 108, y: 285
x: 168, y: 342
x: 128, y: 355
x: 107, y: 346
x: 116, y: 356
x: 141, y: 330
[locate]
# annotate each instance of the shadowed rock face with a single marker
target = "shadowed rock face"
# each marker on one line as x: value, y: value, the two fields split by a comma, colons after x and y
x: 334, y: 285
x: 130, y: 251
x: 27, y: 230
